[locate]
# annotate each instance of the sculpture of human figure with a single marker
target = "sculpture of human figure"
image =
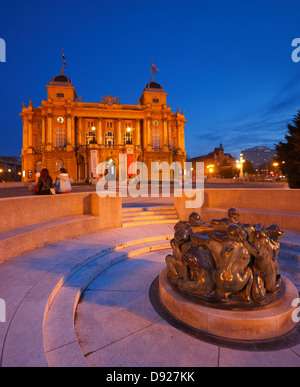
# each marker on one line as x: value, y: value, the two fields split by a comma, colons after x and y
x: 265, y: 267
x: 198, y: 269
x: 233, y: 273
x: 193, y: 224
x: 258, y: 288
x: 233, y: 218
x: 274, y: 232
x: 180, y: 244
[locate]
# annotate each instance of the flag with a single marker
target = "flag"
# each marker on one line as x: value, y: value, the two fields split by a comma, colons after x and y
x: 64, y: 60
x: 154, y: 69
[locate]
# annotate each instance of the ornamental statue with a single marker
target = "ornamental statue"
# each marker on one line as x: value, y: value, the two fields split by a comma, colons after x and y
x: 225, y: 262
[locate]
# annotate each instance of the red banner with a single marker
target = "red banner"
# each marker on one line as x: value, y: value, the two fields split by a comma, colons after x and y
x: 130, y: 161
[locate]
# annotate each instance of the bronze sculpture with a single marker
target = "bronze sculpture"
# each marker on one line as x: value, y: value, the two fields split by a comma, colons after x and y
x: 225, y: 260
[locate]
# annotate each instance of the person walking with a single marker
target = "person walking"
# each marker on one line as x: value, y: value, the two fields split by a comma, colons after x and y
x: 63, y: 183
x: 44, y: 183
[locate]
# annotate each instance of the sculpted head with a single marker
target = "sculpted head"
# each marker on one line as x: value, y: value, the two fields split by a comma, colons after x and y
x: 181, y: 235
x: 233, y: 214
x: 250, y: 230
x: 274, y: 232
x: 236, y: 233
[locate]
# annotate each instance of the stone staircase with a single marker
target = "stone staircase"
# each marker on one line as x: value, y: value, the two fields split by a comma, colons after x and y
x: 134, y: 216
x: 290, y: 251
x: 48, y: 308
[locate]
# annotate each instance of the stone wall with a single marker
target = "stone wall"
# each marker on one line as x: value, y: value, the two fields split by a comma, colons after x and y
x: 265, y: 206
x: 23, y: 211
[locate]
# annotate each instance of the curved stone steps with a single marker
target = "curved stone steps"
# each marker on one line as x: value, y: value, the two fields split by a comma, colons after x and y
x: 59, y: 337
x: 34, y: 280
x: 139, y: 216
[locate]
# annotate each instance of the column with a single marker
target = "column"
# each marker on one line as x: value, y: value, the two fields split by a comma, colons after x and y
x: 138, y: 133
x: 49, y: 130
x: 169, y: 133
x: 149, y: 132
x: 119, y: 131
x: 25, y: 133
x: 99, y: 132
x: 43, y: 130
x: 165, y: 133
x: 69, y: 130
x: 145, y: 133
x: 30, y: 133
x: 72, y: 131
x: 181, y: 142
x: 79, y: 131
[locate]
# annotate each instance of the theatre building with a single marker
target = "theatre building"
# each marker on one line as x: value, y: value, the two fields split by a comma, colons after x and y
x: 67, y: 132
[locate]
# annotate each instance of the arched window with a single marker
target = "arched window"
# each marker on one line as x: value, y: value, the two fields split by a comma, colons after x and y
x: 127, y: 138
x: 173, y: 144
x: 155, y: 139
x: 90, y: 138
x: 39, y: 143
x: 109, y: 138
x: 60, y: 138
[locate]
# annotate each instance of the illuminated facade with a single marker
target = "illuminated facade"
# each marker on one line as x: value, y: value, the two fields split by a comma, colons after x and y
x: 67, y: 132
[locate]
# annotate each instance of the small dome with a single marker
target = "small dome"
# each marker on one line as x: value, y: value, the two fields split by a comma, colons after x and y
x: 154, y: 85
x: 59, y: 79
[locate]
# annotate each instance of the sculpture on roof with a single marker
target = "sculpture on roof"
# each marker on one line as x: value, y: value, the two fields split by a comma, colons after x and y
x: 225, y: 261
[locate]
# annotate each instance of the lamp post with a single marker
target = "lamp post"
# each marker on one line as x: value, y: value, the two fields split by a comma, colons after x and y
x: 275, y: 165
x: 210, y: 169
x: 241, y: 164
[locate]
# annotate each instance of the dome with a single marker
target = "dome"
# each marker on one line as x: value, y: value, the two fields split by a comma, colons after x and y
x: 154, y: 86
x: 61, y: 79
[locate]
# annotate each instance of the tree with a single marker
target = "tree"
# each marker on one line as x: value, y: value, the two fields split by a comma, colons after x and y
x: 248, y: 167
x: 289, y: 152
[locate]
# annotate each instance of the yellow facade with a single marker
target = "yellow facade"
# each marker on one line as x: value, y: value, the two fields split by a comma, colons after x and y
x: 67, y: 132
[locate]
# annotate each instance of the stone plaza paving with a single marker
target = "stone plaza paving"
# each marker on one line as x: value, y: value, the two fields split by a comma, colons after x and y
x: 85, y: 301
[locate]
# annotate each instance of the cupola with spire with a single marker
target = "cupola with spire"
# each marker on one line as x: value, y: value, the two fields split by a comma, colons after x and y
x: 153, y: 93
x: 61, y: 87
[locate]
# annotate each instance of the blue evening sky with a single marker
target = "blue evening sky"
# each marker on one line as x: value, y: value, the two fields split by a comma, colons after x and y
x: 226, y: 63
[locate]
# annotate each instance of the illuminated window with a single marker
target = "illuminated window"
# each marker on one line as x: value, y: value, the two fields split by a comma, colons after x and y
x: 39, y: 144
x: 156, y: 139
x: 60, y: 138
x: 90, y: 138
x: 109, y: 138
x: 127, y: 138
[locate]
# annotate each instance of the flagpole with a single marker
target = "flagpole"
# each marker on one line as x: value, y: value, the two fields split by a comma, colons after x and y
x: 152, y: 70
x: 62, y: 59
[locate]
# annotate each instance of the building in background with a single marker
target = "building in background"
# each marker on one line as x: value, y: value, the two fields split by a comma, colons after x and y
x: 67, y: 132
x: 10, y: 168
x: 259, y: 155
x: 216, y: 163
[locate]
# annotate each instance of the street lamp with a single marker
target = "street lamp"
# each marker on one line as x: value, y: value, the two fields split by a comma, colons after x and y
x: 275, y: 165
x: 242, y: 167
x: 210, y: 169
